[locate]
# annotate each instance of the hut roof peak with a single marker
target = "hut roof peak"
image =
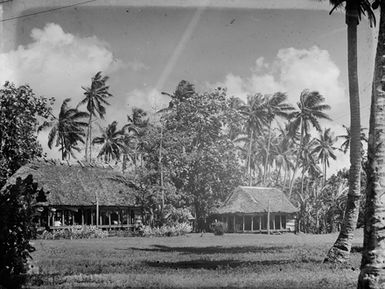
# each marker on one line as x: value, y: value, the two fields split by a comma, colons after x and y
x: 246, y: 199
x: 76, y: 185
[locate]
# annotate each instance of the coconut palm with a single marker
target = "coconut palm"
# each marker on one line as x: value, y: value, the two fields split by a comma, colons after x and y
x: 256, y: 118
x: 372, y: 275
x: 347, y: 139
x: 310, y: 111
x: 308, y: 159
x: 112, y: 142
x: 324, y: 149
x: 95, y: 100
x: 276, y: 106
x: 234, y: 129
x: 353, y: 12
x: 68, y: 130
x: 134, y: 130
x: 282, y: 153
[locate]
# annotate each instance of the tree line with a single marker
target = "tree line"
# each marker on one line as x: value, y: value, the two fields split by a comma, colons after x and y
x: 197, y: 150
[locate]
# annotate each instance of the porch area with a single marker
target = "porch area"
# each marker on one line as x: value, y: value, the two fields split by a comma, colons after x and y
x: 258, y: 223
x: 61, y: 217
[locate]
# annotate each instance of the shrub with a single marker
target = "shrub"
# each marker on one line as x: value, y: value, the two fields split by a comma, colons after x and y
x: 18, y: 210
x: 167, y: 230
x: 75, y: 232
x: 218, y: 228
x: 177, y: 215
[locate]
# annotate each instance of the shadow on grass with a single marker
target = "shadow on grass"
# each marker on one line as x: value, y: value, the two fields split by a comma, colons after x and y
x: 214, y: 249
x: 216, y: 264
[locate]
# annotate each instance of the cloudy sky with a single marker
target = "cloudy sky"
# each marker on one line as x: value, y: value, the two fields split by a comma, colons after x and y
x: 147, y: 47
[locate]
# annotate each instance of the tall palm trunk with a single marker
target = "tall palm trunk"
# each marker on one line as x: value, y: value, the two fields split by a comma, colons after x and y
x: 88, y: 157
x: 249, y: 161
x: 298, y: 160
x: 267, y: 155
x: 90, y: 150
x: 299, y: 156
x: 324, y: 180
x: 86, y: 146
x: 340, y: 251
x: 372, y: 275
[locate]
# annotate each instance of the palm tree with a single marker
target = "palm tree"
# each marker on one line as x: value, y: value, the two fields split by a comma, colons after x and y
x: 111, y: 141
x: 353, y: 12
x: 347, y: 139
x: 283, y: 152
x: 308, y: 159
x: 324, y: 149
x: 372, y: 275
x: 95, y: 100
x: 276, y: 106
x: 256, y: 117
x: 234, y: 129
x: 134, y: 130
x: 68, y: 130
x: 311, y: 109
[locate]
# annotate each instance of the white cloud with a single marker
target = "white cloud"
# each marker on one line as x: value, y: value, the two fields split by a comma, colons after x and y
x: 136, y: 65
x: 291, y: 71
x: 57, y: 63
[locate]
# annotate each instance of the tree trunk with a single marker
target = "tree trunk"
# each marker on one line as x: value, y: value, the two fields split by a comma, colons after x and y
x: 340, y: 251
x: 299, y: 157
x: 267, y: 155
x: 324, y: 183
x: 249, y: 162
x: 291, y: 184
x: 90, y: 139
x: 87, y: 138
x: 298, y: 160
x: 372, y: 275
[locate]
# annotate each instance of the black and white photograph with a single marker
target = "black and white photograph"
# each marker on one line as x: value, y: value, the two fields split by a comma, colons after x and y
x: 192, y: 144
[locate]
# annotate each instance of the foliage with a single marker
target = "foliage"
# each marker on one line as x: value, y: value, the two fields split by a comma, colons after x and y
x: 18, y: 209
x: 199, y: 159
x: 321, y: 206
x: 176, y: 215
x: 218, y: 228
x: 178, y: 229
x: 347, y: 139
x: 112, y: 141
x: 22, y: 115
x: 68, y: 130
x: 310, y: 111
x: 74, y: 232
x: 95, y: 101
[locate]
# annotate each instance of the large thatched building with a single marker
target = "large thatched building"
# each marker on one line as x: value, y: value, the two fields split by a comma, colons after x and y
x: 257, y: 209
x: 81, y: 195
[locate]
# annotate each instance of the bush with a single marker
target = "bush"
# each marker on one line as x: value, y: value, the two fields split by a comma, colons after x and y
x: 177, y: 216
x: 18, y: 210
x: 218, y: 228
x: 167, y: 230
x: 74, y: 232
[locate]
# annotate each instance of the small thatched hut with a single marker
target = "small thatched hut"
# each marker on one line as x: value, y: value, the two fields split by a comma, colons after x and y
x: 257, y: 209
x: 81, y: 195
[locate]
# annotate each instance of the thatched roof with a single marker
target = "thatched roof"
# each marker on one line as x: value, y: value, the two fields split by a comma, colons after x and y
x: 256, y: 200
x: 76, y: 185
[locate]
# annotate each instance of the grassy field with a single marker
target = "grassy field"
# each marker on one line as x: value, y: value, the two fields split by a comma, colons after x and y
x: 192, y: 261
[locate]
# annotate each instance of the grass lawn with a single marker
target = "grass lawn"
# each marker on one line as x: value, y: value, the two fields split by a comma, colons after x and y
x: 192, y: 261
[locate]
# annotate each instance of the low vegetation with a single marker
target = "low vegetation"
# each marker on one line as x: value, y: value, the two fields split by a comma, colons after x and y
x: 74, y: 232
x: 193, y: 261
